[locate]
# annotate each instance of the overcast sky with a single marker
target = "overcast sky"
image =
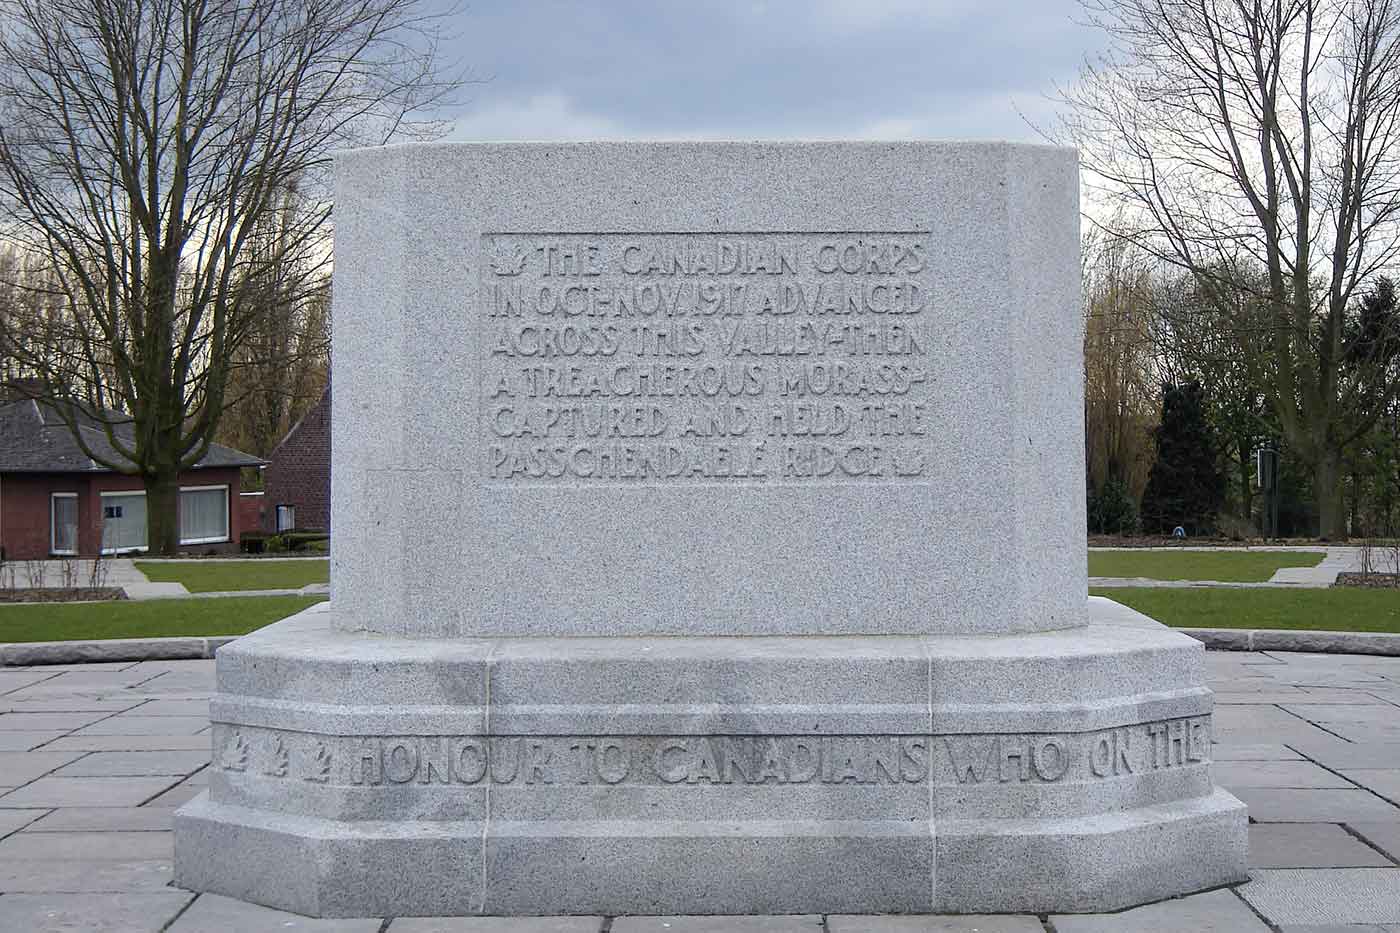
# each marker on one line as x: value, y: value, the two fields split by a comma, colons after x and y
x: 876, y: 69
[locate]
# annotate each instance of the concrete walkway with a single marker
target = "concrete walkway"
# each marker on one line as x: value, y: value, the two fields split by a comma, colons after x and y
x: 98, y: 756
x: 1337, y: 560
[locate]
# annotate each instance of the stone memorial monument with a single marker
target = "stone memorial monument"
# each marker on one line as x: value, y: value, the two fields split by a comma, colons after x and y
x: 709, y: 538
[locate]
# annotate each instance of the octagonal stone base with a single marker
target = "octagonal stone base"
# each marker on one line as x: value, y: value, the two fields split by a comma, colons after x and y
x: 357, y: 775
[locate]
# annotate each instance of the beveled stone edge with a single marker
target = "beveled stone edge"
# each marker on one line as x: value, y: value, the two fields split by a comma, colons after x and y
x: 182, y: 648
x: 178, y: 648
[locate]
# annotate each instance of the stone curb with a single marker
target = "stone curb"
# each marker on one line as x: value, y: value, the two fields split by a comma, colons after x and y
x: 1235, y: 639
x: 22, y: 654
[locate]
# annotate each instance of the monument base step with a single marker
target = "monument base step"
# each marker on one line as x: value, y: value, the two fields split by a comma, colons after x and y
x: 329, y: 869
x: 360, y: 775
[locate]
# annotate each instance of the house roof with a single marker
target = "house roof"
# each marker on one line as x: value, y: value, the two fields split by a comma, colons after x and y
x: 34, y: 439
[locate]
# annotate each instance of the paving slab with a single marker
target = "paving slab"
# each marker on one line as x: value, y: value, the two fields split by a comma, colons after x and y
x: 1336, y: 928
x: 101, y: 819
x: 90, y: 875
x: 92, y: 846
x: 1212, y: 912
x: 66, y: 704
x: 126, y: 743
x: 126, y: 912
x: 176, y: 708
x: 1382, y: 781
x: 1237, y: 774
x: 177, y: 796
x: 40, y: 722
x: 1338, y: 895
x: 137, y: 724
x: 934, y: 924
x: 15, y: 820
x: 1309, y: 845
x: 14, y: 680
x: 133, y: 764
x: 86, y: 792
x: 1384, y: 835
x: 496, y: 925
x: 214, y: 914
x: 1232, y: 751
x: 18, y: 768
x: 24, y: 741
x: 1316, y: 805
x: 804, y: 923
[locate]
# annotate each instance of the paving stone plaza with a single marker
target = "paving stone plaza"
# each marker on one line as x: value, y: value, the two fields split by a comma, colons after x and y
x: 98, y: 756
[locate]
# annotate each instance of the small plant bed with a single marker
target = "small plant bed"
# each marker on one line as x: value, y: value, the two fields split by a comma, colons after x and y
x: 1338, y: 609
x: 217, y: 576
x: 1382, y: 581
x: 48, y: 594
x: 152, y: 618
x: 1223, y: 567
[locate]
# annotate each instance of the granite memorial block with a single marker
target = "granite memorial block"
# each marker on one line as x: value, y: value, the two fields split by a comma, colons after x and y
x: 709, y: 539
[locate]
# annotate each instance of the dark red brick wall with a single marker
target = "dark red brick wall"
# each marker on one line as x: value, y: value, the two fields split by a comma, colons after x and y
x: 24, y: 508
x: 299, y: 472
x: 250, y: 510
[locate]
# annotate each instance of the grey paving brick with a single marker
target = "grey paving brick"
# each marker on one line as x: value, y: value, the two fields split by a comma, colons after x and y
x: 67, y: 704
x: 1383, y: 834
x: 126, y: 743
x: 11, y: 681
x: 1334, y: 928
x: 1232, y: 751
x: 1340, y: 754
x: 101, y: 819
x: 496, y: 925
x: 18, y: 768
x: 793, y: 924
x: 1309, y: 845
x: 1381, y: 713
x: 1318, y: 805
x: 1212, y: 912
x: 135, y: 764
x: 24, y: 741
x: 41, y: 722
x: 13, y: 820
x: 35, y: 877
x: 135, y: 724
x: 214, y: 914
x: 119, y: 846
x: 1383, y: 781
x: 177, y: 796
x: 86, y: 792
x: 198, y: 708
x: 1233, y: 774
x: 934, y: 924
x: 126, y: 912
x: 1329, y: 895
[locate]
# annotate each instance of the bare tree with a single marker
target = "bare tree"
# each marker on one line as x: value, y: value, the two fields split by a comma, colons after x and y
x: 1238, y: 137
x: 142, y: 144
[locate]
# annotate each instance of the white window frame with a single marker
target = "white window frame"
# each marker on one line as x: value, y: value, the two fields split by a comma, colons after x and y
x: 53, y: 526
x: 228, y: 516
x: 126, y: 550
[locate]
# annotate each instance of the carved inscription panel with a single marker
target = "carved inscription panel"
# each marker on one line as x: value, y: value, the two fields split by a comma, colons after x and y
x: 706, y: 357
x: 1030, y: 758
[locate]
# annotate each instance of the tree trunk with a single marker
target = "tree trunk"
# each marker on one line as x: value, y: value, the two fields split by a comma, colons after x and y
x: 1327, y: 489
x: 163, y: 512
x: 1245, y: 448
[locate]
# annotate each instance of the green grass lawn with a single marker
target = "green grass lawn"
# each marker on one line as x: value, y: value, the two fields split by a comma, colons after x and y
x: 217, y: 576
x: 1222, y: 566
x: 1340, y: 609
x: 152, y: 618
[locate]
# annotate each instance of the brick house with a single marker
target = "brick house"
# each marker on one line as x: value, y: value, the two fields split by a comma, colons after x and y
x: 55, y: 501
x: 297, y: 481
